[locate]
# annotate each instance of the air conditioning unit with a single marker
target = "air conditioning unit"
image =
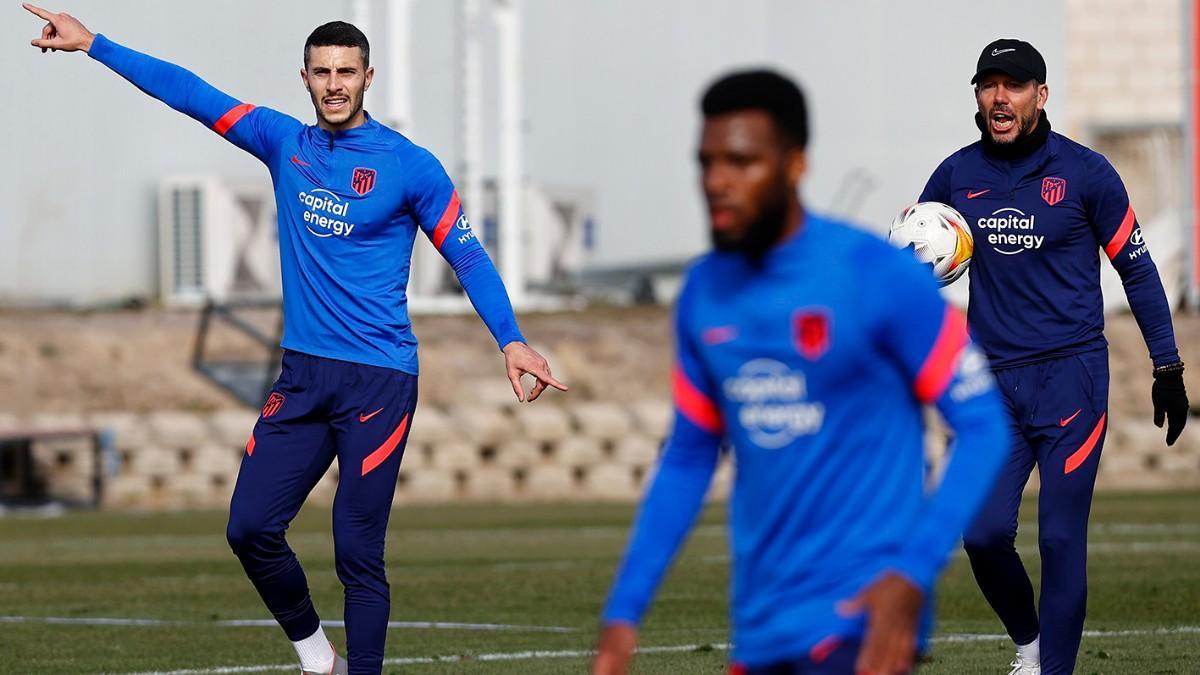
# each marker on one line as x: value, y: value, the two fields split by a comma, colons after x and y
x: 217, y: 241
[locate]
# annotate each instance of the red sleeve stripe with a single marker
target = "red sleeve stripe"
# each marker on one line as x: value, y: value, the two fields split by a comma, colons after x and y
x: 237, y: 112
x: 935, y: 373
x: 693, y: 404
x: 1122, y: 236
x: 448, y: 217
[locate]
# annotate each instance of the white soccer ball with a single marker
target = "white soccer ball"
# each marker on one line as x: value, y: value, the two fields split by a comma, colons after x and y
x: 938, y: 236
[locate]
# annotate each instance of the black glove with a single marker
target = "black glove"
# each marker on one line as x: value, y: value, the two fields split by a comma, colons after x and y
x: 1170, y: 400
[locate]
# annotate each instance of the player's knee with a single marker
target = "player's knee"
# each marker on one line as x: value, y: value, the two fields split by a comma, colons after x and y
x: 245, y: 535
x: 354, y: 557
x: 984, y: 540
x: 1061, y: 547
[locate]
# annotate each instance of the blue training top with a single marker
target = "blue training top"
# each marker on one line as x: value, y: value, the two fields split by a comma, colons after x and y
x: 349, y: 205
x: 813, y: 368
x: 1039, y: 223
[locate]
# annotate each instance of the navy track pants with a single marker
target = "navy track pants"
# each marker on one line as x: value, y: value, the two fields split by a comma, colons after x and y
x: 1059, y: 413
x: 321, y: 409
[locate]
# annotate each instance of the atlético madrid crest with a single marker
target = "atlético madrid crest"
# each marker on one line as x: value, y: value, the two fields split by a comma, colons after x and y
x: 810, y: 332
x: 1053, y: 189
x: 273, y: 404
x: 362, y: 180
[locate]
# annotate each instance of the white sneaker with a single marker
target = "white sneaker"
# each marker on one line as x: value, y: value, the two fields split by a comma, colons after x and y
x: 1025, y: 667
x: 339, y: 667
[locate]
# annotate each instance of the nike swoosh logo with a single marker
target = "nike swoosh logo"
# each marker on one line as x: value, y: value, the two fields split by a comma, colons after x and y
x: 998, y: 52
x: 364, y: 418
x: 973, y: 195
x: 299, y: 162
x: 1065, y: 422
x: 719, y: 335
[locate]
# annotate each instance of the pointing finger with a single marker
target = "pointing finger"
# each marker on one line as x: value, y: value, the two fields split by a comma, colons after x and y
x: 38, y: 11
x: 543, y: 374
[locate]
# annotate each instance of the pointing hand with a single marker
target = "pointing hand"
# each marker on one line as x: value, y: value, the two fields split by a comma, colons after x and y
x: 521, y: 359
x: 62, y: 31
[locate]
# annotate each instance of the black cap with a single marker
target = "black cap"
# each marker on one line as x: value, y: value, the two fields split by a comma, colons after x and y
x: 1014, y: 57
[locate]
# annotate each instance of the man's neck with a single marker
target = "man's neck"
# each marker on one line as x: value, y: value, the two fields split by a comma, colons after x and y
x: 357, y: 121
x: 1023, y: 146
x: 795, y: 220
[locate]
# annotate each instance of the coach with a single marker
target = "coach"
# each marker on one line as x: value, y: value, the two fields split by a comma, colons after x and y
x: 1040, y: 207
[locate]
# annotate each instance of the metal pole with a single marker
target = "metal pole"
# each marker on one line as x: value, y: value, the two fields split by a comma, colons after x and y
x: 1192, y: 128
x: 399, y: 49
x: 508, y: 24
x: 360, y: 15
x: 472, y: 112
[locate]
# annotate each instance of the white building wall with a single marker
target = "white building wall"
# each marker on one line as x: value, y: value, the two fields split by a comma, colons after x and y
x: 611, y: 105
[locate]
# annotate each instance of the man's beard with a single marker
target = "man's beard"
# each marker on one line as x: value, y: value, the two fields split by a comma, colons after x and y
x: 1024, y: 125
x: 356, y: 104
x: 761, y: 235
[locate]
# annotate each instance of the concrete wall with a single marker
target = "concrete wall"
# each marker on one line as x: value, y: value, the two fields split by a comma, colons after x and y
x: 1125, y: 63
x: 592, y: 451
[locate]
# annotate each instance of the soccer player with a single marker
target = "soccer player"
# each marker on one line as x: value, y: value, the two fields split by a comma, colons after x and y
x: 350, y: 194
x: 808, y: 347
x: 1042, y: 208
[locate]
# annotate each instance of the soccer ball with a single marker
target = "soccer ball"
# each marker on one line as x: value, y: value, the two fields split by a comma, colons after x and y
x: 938, y: 236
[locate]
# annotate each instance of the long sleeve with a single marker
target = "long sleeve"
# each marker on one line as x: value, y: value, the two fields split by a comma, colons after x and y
x: 254, y: 129
x: 1118, y: 232
x: 676, y: 495
x: 439, y: 212
x: 930, y: 341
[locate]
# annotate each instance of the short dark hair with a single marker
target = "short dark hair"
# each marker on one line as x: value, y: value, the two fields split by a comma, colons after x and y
x: 764, y: 90
x: 338, y: 34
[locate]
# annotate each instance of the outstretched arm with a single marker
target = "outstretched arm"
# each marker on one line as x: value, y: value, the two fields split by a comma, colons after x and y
x: 439, y: 213
x: 177, y: 87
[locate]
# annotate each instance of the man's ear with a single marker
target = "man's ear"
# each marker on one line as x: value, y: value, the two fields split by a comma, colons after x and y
x: 797, y: 164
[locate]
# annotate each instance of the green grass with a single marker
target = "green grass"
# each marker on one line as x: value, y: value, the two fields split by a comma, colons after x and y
x: 525, y: 565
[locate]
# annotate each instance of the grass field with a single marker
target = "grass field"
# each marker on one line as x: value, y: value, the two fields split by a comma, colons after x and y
x: 540, y: 571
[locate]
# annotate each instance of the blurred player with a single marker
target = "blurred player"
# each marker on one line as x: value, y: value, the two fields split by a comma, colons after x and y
x: 1040, y: 207
x: 809, y: 347
x: 350, y: 194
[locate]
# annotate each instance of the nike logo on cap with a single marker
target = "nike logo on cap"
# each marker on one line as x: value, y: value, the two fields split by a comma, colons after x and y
x: 973, y: 195
x: 364, y: 418
x: 998, y: 52
x: 1065, y: 422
